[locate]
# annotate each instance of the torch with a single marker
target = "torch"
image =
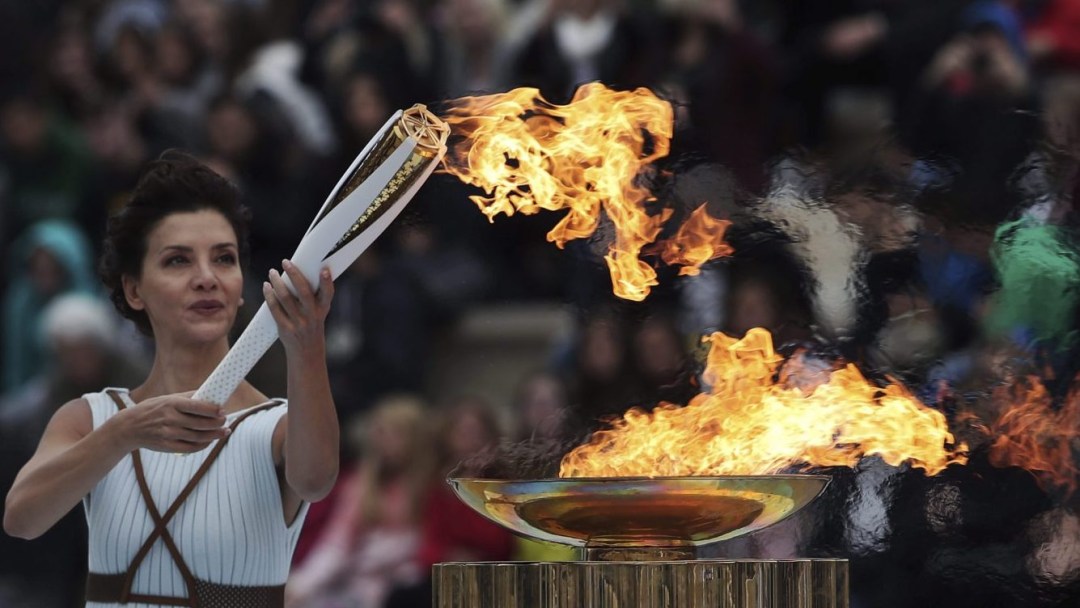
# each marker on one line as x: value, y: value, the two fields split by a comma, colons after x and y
x: 378, y: 184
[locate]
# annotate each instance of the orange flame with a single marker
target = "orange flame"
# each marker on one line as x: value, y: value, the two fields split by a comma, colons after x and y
x: 698, y: 240
x: 1032, y: 434
x: 750, y: 424
x: 586, y: 157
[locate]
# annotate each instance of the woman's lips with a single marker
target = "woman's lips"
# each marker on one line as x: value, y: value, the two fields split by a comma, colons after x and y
x: 207, y: 307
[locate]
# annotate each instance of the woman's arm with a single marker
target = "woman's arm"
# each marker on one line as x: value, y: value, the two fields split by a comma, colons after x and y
x: 306, y: 441
x: 72, y: 456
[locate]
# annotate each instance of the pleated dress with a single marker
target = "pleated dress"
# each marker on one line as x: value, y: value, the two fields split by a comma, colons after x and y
x: 199, y: 530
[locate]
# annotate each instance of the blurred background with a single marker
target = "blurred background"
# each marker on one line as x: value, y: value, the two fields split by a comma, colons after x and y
x: 901, y: 175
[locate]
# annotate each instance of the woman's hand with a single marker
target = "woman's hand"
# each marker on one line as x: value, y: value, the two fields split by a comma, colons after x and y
x: 305, y: 442
x: 300, y: 318
x: 73, y: 457
x: 171, y: 423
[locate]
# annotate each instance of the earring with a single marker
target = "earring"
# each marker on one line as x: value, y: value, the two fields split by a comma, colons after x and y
x: 241, y: 302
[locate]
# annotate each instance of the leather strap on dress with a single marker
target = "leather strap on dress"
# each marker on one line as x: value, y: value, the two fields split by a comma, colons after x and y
x: 107, y: 588
x: 117, y: 587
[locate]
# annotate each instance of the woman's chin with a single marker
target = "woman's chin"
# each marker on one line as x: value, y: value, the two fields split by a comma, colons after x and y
x: 208, y: 331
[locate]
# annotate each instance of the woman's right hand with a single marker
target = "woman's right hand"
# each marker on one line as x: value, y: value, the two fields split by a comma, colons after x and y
x: 171, y: 423
x: 73, y: 457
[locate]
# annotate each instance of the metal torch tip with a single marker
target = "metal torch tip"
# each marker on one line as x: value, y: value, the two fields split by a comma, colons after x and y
x: 429, y: 131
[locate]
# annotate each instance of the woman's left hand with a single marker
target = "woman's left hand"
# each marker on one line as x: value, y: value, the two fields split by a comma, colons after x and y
x: 300, y: 318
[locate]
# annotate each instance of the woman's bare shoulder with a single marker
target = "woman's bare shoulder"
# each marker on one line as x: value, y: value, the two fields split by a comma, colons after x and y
x: 74, y: 417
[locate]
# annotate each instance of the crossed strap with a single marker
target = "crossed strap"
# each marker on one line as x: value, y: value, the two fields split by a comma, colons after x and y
x: 161, y: 521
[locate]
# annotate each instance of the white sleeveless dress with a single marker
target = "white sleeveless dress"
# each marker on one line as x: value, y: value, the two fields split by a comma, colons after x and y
x: 231, y: 530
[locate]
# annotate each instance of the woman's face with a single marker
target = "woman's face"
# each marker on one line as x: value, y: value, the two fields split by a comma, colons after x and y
x: 232, y: 131
x: 753, y: 305
x: 601, y: 357
x: 191, y: 281
x: 393, y: 442
x: 659, y: 353
x: 46, y: 273
x: 468, y: 435
x: 366, y: 107
x: 543, y: 407
x: 174, y: 57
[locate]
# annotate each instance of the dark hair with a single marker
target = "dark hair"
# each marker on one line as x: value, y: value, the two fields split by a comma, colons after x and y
x: 174, y: 183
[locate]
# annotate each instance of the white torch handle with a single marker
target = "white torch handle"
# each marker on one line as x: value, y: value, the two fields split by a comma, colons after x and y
x: 258, y: 337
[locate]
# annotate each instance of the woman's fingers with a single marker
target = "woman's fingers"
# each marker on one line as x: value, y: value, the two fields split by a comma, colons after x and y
x: 272, y: 302
x: 326, y: 291
x: 196, y: 436
x: 200, y: 408
x: 175, y: 423
x: 201, y: 423
x: 305, y: 295
x: 306, y: 300
x: 285, y: 297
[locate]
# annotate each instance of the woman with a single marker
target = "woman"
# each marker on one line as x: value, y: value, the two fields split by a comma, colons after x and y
x: 216, y: 527
x: 370, y: 542
x: 453, y: 531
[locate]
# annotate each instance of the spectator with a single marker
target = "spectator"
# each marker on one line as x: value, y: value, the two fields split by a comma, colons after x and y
x: 403, y: 292
x: 370, y: 543
x: 120, y: 151
x: 769, y: 293
x: 601, y: 381
x: 72, y: 78
x: 273, y: 74
x: 453, y: 531
x: 829, y: 46
x: 1061, y: 111
x: 583, y: 41
x: 410, y: 22
x: 395, y: 35
x: 728, y: 80
x: 542, y: 413
x: 980, y: 77
x: 368, y: 99
x: 1053, y: 36
x: 224, y: 32
x: 540, y: 405
x: 44, y: 162
x: 475, y: 48
x: 661, y: 363
x: 187, y: 82
x: 79, y: 333
x: 50, y: 259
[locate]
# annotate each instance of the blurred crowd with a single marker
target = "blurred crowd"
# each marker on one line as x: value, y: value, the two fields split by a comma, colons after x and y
x: 901, y: 175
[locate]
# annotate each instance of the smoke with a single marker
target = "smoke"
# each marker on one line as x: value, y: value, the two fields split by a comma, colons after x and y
x: 531, y: 459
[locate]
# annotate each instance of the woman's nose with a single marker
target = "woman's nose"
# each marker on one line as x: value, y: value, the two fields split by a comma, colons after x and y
x: 204, y: 276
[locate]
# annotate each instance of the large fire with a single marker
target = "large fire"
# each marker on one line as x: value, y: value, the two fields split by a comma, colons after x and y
x: 761, y: 414
x: 587, y: 158
x: 1030, y: 433
x: 752, y: 422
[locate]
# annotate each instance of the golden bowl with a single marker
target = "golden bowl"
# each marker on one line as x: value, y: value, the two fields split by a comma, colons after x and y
x: 616, y: 517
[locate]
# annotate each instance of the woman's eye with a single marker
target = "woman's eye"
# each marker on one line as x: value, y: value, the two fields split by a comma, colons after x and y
x: 228, y: 258
x: 175, y: 260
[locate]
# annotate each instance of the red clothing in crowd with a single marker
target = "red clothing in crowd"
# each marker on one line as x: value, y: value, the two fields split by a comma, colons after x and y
x: 318, y: 516
x: 1060, y: 24
x: 454, y: 532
